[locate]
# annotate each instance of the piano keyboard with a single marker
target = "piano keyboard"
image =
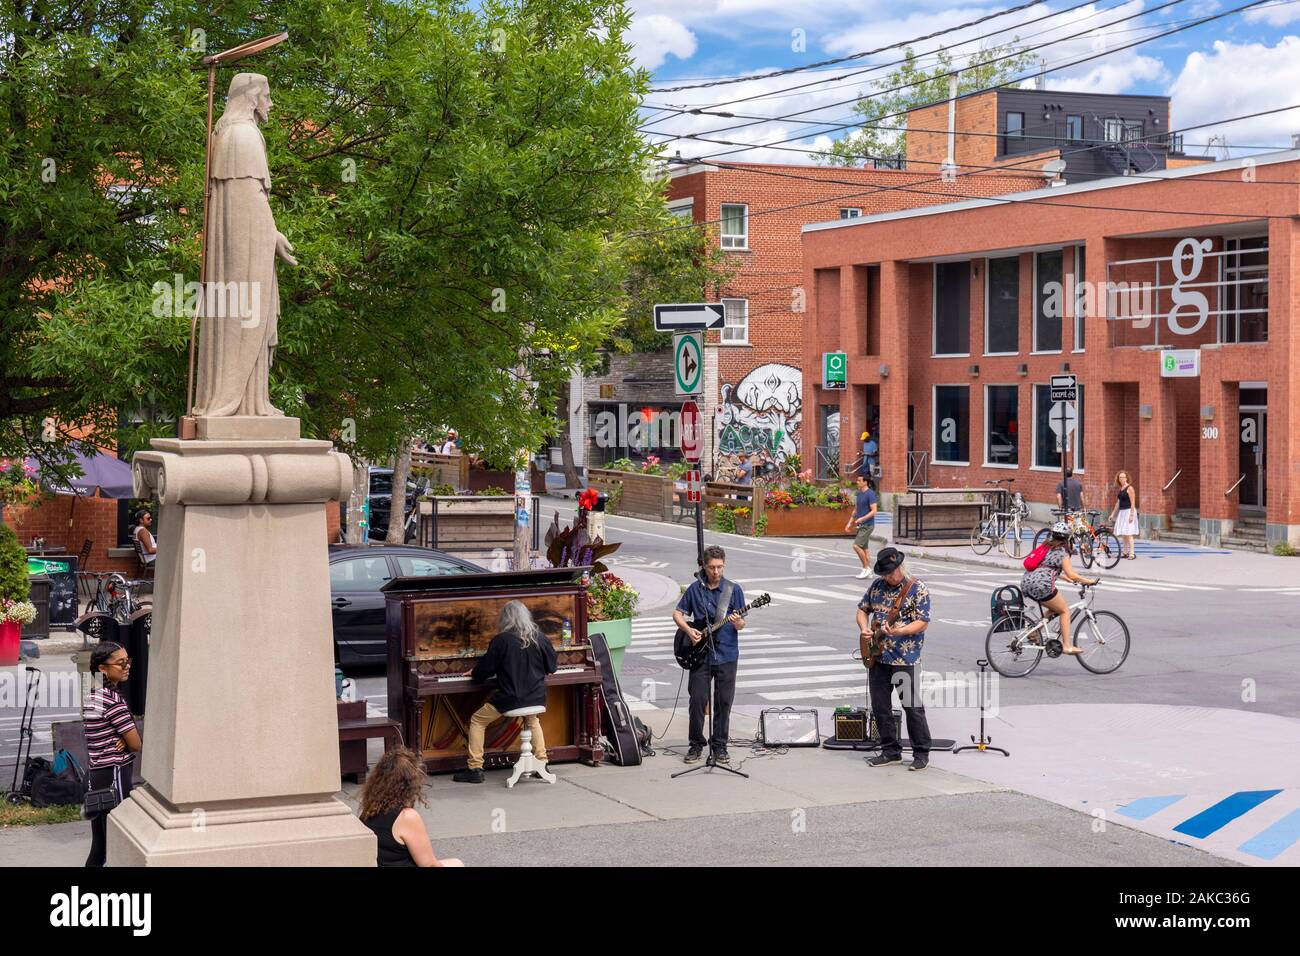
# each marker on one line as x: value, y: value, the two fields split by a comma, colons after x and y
x: 450, y: 678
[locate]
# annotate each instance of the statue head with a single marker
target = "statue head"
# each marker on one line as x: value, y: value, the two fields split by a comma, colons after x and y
x: 250, y: 94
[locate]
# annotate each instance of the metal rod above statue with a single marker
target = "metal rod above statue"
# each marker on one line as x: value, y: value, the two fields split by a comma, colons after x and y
x: 233, y: 358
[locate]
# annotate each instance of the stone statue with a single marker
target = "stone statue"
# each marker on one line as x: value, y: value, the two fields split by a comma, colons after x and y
x: 241, y: 301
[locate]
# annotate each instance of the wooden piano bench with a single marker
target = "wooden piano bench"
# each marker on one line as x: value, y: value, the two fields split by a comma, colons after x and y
x: 353, y: 734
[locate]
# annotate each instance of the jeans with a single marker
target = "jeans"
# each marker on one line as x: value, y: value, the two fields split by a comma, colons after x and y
x: 120, y: 779
x: 478, y: 725
x: 883, y: 679
x: 723, y: 678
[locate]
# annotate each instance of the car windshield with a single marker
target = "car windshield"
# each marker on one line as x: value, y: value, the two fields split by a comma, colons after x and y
x: 412, y: 565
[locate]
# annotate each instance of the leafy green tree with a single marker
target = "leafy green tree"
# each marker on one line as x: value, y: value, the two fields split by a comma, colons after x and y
x: 14, y: 582
x: 460, y: 182
x: 884, y: 134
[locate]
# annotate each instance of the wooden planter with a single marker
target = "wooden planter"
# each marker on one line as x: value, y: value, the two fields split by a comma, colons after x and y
x: 464, y: 524
x: 639, y: 496
x: 807, y: 521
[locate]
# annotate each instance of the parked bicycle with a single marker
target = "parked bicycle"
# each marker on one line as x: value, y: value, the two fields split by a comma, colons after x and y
x: 1093, y: 541
x: 1019, y: 638
x: 114, y: 594
x: 1003, y: 523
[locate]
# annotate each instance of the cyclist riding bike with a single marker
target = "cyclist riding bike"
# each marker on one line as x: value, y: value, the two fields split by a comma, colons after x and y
x: 1040, y: 583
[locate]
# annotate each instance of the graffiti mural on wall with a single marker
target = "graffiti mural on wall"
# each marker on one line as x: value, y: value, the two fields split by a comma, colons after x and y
x: 761, y: 413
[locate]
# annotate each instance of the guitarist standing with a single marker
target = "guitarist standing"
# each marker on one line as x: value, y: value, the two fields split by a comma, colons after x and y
x: 893, y: 616
x: 720, y: 601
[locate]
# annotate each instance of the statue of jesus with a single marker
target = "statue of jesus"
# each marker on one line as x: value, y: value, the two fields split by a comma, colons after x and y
x: 241, y: 299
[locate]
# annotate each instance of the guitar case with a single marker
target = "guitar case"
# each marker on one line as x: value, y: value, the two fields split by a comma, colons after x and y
x: 616, y: 722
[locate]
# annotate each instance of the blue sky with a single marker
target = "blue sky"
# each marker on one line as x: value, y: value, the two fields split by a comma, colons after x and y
x: 1243, y: 63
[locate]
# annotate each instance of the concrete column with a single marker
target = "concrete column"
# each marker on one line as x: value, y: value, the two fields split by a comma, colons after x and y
x: 1158, y: 446
x: 1283, y: 390
x: 1219, y: 455
x: 895, y: 352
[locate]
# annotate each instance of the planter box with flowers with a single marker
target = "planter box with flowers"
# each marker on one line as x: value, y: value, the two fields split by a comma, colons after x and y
x: 611, y: 601
x: 15, y: 609
x: 638, y: 491
x: 796, y: 507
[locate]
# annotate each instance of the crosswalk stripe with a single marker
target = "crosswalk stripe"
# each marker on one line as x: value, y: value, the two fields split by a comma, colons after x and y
x: 965, y: 587
x: 820, y: 693
x: 668, y: 642
x: 811, y: 669
x: 942, y: 593
x: 781, y: 681
x: 779, y: 596
x: 764, y: 648
x: 811, y: 658
x: 820, y: 593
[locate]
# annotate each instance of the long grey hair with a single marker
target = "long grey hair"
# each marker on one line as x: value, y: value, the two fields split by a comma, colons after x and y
x: 517, y: 619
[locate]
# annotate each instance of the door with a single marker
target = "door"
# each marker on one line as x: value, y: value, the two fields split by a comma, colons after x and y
x: 1253, y: 460
x: 357, y: 607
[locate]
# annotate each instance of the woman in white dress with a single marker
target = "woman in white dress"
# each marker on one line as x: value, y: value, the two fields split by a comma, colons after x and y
x: 1124, y: 515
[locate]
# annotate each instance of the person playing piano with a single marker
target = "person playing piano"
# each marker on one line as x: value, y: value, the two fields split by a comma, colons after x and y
x: 519, y: 657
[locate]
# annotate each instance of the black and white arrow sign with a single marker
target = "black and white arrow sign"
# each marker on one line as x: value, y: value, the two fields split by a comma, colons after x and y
x: 676, y: 317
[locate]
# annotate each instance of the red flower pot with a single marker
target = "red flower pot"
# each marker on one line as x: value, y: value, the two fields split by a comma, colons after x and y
x: 10, y: 635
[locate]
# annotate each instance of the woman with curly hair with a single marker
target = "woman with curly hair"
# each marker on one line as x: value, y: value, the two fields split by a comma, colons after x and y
x: 388, y: 808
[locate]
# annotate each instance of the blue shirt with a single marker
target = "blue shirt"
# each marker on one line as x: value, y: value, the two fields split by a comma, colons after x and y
x: 869, y: 449
x: 745, y: 474
x: 879, y: 601
x: 865, y: 500
x: 700, y: 604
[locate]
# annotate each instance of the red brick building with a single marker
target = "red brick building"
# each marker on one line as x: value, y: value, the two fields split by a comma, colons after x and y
x: 760, y: 209
x: 955, y: 317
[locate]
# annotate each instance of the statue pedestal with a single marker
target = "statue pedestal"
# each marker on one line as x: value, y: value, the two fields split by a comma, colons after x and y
x: 241, y: 761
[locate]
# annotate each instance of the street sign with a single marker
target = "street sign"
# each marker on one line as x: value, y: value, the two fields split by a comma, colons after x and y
x: 693, y: 487
x: 1062, y: 418
x: 835, y: 370
x: 676, y: 316
x: 688, y: 363
x: 1180, y: 363
x: 692, y: 432
x: 1063, y: 388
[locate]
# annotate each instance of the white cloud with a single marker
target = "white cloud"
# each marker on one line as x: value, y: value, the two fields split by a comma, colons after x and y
x: 1227, y: 82
x: 655, y: 37
x: 1274, y: 16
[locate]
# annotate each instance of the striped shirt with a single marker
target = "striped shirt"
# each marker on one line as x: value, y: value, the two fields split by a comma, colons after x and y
x: 106, y: 718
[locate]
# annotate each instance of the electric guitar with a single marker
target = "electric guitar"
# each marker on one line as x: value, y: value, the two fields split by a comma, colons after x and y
x: 691, y: 655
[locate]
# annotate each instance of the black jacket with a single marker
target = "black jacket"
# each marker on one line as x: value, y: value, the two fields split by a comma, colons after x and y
x: 520, y: 671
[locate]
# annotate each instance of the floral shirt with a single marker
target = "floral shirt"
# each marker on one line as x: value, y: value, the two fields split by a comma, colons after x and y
x: 879, y: 601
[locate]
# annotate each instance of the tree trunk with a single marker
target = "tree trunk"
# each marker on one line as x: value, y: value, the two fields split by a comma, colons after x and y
x: 356, y: 532
x: 397, y: 510
x: 571, y: 477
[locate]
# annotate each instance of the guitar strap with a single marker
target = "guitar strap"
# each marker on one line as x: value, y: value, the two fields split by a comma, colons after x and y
x: 724, y: 602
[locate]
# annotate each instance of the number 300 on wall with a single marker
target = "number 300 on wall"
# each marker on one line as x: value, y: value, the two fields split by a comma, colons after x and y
x: 1210, y: 432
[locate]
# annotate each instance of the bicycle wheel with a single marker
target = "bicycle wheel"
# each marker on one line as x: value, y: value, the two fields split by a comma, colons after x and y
x: 1107, y: 550
x: 1086, y: 550
x: 1041, y: 536
x: 1104, y: 640
x: 980, y: 541
x: 1008, y: 653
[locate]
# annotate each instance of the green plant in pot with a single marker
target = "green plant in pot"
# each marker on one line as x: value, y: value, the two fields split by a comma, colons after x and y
x: 15, y: 609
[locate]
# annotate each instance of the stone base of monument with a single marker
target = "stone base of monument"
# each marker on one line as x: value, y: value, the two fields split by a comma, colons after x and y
x: 246, y: 428
x: 241, y: 763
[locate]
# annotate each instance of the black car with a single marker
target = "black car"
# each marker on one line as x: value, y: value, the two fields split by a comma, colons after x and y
x: 357, y: 572
x: 381, y: 502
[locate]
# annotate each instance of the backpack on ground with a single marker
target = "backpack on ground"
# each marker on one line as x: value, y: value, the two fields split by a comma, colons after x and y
x: 644, y: 738
x: 59, y: 784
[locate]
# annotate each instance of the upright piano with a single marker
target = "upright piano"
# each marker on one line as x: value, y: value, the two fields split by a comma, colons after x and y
x: 438, y: 628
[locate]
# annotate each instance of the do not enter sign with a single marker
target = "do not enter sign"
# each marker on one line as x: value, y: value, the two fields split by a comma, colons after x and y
x: 692, y: 432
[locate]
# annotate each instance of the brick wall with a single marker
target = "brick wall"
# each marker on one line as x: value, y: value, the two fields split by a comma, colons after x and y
x: 93, y: 518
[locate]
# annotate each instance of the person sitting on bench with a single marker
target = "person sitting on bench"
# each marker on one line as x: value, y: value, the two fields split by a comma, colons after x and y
x: 148, y: 547
x: 520, y: 657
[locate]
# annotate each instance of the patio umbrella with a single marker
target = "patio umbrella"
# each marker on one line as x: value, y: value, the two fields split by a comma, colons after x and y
x: 101, y: 474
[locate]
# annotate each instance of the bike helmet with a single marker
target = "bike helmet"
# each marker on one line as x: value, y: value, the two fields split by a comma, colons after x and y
x: 1060, y: 530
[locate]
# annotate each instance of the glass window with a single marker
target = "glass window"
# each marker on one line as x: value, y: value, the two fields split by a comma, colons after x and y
x: 736, y: 328
x: 418, y: 566
x: 1114, y: 130
x: 1245, y: 291
x: 1047, y: 447
x: 682, y: 208
x: 735, y: 226
x: 1047, y: 301
x: 850, y: 213
x: 951, y: 308
x: 952, y: 424
x: 1074, y: 128
x: 359, y: 574
x: 1002, y: 426
x: 1015, y: 124
x: 1004, y: 305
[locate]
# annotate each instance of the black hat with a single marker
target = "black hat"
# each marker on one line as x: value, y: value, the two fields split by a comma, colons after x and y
x: 888, y: 560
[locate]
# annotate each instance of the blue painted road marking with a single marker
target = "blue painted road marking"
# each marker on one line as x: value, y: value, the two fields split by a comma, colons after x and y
x: 1281, y: 835
x: 1224, y: 812
x: 1145, y: 807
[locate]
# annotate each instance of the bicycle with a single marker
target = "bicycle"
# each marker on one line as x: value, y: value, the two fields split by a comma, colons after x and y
x: 1095, y: 544
x: 1017, y: 641
x: 113, y: 596
x: 1002, y: 523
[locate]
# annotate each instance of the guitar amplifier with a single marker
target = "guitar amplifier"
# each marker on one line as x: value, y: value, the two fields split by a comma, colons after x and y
x: 851, y: 725
x: 788, y: 727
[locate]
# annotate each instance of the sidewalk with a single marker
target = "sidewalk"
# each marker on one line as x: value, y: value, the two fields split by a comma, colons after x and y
x: 803, y: 807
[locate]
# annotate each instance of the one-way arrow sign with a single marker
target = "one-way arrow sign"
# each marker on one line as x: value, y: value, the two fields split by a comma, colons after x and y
x: 678, y: 316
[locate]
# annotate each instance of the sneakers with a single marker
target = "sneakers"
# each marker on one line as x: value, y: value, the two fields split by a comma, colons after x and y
x: 721, y: 756
x: 880, y: 760
x: 863, y: 574
x: 468, y: 776
x: 919, y: 762
x: 694, y: 754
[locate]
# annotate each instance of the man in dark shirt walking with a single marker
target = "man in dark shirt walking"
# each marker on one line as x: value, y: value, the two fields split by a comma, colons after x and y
x: 701, y: 603
x: 1069, y: 492
x: 519, y: 657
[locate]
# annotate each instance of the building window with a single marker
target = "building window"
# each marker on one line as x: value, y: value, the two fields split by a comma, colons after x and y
x: 1047, y: 446
x: 1114, y: 130
x: 850, y: 213
x: 1003, y: 326
x: 1080, y: 296
x: 1048, y: 272
x: 735, y: 331
x: 1002, y: 425
x: 735, y: 226
x: 1074, y: 128
x: 952, y: 424
x: 1245, y: 290
x: 1015, y: 125
x: 952, y: 308
x: 683, y: 208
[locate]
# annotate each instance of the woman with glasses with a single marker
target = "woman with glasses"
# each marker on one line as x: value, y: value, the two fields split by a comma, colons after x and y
x: 112, y: 740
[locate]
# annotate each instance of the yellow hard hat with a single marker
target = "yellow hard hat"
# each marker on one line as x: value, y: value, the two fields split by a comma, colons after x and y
x: 865, y: 436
